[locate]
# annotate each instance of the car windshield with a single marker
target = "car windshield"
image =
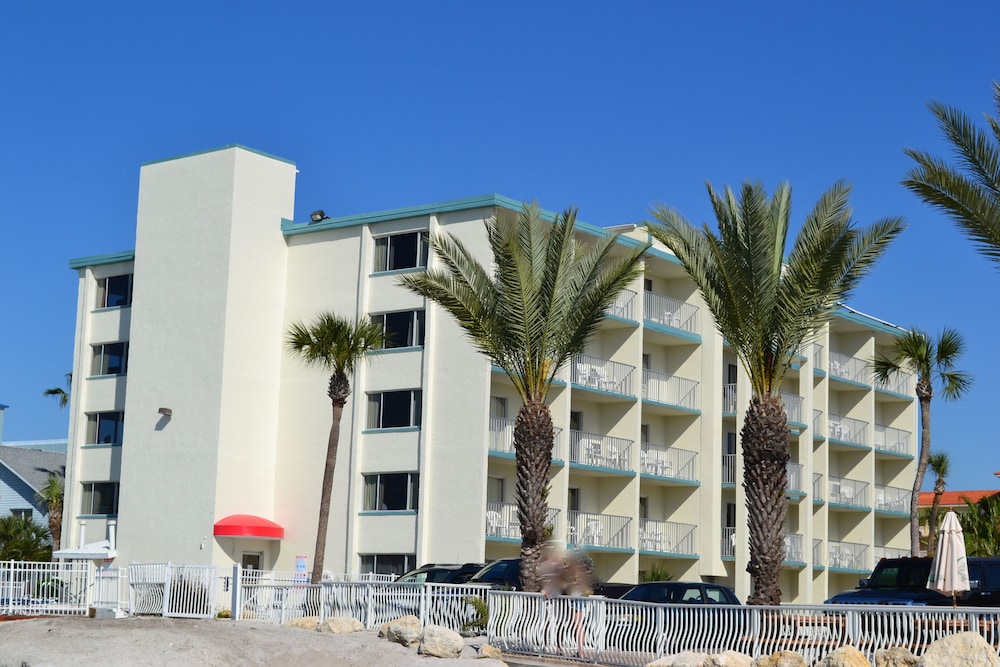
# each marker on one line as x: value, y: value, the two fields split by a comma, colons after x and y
x: 905, y: 575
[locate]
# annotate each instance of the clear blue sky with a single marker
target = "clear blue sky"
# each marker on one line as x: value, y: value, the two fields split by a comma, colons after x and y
x: 606, y: 106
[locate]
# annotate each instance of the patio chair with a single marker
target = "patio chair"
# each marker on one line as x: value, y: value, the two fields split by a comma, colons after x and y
x: 594, y: 532
x: 493, y: 523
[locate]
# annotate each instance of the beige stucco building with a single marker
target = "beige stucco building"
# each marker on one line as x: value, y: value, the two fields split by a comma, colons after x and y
x: 195, y: 430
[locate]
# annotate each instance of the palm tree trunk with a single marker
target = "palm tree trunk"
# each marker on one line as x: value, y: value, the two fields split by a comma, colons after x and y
x: 932, y: 524
x: 925, y: 454
x: 329, y: 468
x: 533, y: 438
x: 765, y: 480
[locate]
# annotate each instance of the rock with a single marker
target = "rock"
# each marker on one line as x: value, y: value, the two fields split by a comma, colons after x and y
x: 729, y: 659
x: 405, y: 630
x: 341, y: 625
x: 780, y: 659
x: 897, y: 656
x: 306, y: 622
x: 441, y: 642
x: 685, y: 659
x: 964, y: 649
x: 490, y: 651
x: 845, y: 656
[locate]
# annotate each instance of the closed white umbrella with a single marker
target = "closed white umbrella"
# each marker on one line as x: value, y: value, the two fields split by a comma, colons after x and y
x: 950, y: 572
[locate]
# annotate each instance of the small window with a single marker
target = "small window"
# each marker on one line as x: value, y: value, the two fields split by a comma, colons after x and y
x: 498, y: 407
x: 402, y: 329
x: 643, y: 507
x: 401, y: 251
x: 494, y: 489
x: 574, y: 499
x: 394, y: 409
x: 388, y: 492
x: 100, y: 498
x: 110, y: 359
x: 114, y: 292
x: 396, y: 564
x: 647, y: 284
x: 21, y: 514
x: 105, y: 428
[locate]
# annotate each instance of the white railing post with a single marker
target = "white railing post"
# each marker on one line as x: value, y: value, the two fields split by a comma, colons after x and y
x: 166, y: 589
x: 234, y: 597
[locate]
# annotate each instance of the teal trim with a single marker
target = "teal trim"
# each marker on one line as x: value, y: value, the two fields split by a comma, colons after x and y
x: 856, y: 508
x: 898, y: 455
x: 613, y: 471
x: 624, y: 320
x: 394, y: 429
x: 852, y: 445
x: 887, y: 392
x: 846, y: 313
x: 798, y: 425
x: 660, y: 254
x: 396, y: 350
x: 216, y: 150
x: 818, y: 501
x: 819, y: 372
x: 671, y: 331
x: 818, y: 438
x: 891, y: 514
x: 676, y: 480
x: 797, y: 495
x: 690, y: 411
x: 99, y: 260
x: 603, y: 392
x: 100, y: 445
x: 859, y: 385
x: 497, y: 538
x: 387, y: 513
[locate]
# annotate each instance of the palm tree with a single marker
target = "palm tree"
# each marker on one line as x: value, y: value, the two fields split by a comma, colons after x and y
x: 766, y: 307
x: 981, y: 526
x: 933, y: 361
x: 23, y: 539
x: 336, y: 345
x: 938, y: 463
x: 62, y: 394
x: 530, y: 314
x: 968, y: 192
x: 52, y: 496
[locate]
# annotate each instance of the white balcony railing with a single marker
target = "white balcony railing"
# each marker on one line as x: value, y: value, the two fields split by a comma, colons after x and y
x: 846, y: 429
x: 892, y: 499
x: 669, y: 390
x: 664, y: 461
x: 793, y: 548
x: 729, y: 468
x: 598, y: 530
x: 602, y: 451
x: 817, y: 422
x: 502, y: 437
x: 818, y: 552
x: 888, y: 552
x: 729, y: 398
x: 848, y: 556
x: 728, y: 546
x: 794, y: 472
x: 817, y: 486
x: 889, y: 439
x: 817, y: 355
x: 670, y: 312
x: 793, y: 407
x: 623, y: 306
x: 850, y: 492
x: 502, y: 521
x: 666, y: 536
x: 898, y: 383
x: 848, y: 368
x: 602, y: 374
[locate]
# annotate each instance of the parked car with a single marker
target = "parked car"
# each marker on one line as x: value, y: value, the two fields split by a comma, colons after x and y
x: 681, y: 592
x: 505, y: 573
x: 904, y: 581
x: 440, y: 573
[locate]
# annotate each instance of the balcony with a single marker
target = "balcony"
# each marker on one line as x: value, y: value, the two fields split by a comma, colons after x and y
x: 502, y: 522
x: 848, y: 556
x: 666, y: 537
x: 502, y: 437
x: 793, y: 407
x: 794, y: 472
x: 623, y: 306
x: 892, y: 440
x: 849, y: 493
x: 729, y: 398
x: 793, y: 549
x: 602, y: 375
x: 848, y: 369
x: 817, y: 488
x: 668, y: 462
x: 817, y: 425
x: 818, y: 552
x: 888, y: 552
x: 600, y: 451
x: 728, y: 546
x: 900, y: 383
x: 845, y: 430
x: 668, y: 312
x: 729, y: 468
x: 669, y: 390
x: 598, y: 530
x: 892, y: 499
x: 817, y: 357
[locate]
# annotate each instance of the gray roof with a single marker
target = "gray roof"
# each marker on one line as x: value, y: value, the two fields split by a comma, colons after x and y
x: 33, y: 465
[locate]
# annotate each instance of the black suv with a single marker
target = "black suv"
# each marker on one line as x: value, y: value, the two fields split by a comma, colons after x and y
x: 440, y: 573
x: 904, y: 581
x: 505, y: 573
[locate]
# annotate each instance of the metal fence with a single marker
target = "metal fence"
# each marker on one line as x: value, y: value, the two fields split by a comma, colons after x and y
x: 45, y: 589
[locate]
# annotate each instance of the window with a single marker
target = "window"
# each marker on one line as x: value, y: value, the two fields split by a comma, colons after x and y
x: 21, y: 514
x: 574, y: 499
x: 100, y: 498
x: 402, y: 329
x: 643, y: 507
x: 498, y: 406
x: 494, y: 489
x: 110, y: 359
x: 647, y: 284
x: 105, y: 428
x: 388, y: 492
x: 394, y: 409
x: 575, y: 420
x: 114, y: 292
x: 396, y: 564
x: 401, y: 251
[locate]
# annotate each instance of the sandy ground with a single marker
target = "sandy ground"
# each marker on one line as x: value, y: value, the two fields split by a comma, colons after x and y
x: 172, y: 641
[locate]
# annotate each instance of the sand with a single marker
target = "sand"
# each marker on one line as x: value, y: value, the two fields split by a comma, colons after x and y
x: 172, y: 641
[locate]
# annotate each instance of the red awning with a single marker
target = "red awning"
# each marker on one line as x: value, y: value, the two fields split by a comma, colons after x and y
x: 248, y: 525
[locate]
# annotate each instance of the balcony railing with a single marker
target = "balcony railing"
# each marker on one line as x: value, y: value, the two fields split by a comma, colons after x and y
x: 664, y: 461
x: 817, y: 422
x: 668, y: 389
x: 851, y: 492
x: 818, y: 552
x: 729, y: 398
x: 817, y: 486
x: 817, y: 355
x: 888, y: 552
x: 898, y: 383
x: 848, y: 368
x: 670, y: 312
x: 502, y: 521
x: 892, y: 499
x: 794, y: 471
x: 502, y: 436
x: 849, y: 430
x: 666, y: 537
x: 889, y: 439
x: 602, y: 374
x: 729, y: 468
x: 598, y: 530
x: 603, y: 451
x: 728, y: 546
x: 793, y: 407
x: 793, y: 548
x: 848, y: 556
x: 623, y: 306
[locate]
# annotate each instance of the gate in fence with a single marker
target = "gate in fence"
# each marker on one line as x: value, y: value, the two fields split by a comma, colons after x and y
x: 168, y: 589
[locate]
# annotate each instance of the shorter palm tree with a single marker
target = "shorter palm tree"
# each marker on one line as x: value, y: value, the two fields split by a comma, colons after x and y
x: 981, y: 526
x: 335, y: 344
x: 23, y: 539
x: 51, y: 495
x: 938, y: 463
x: 59, y: 392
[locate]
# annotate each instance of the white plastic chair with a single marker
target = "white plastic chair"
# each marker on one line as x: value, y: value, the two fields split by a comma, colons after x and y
x: 594, y: 532
x: 493, y: 523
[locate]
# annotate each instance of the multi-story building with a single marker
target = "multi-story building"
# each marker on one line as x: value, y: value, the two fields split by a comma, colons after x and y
x: 196, y: 430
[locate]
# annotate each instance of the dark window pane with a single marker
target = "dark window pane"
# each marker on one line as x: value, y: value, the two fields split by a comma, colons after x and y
x: 109, y: 428
x: 119, y: 292
x: 396, y: 409
x: 397, y: 329
x: 402, y: 251
x: 394, y: 488
x: 417, y: 337
x: 114, y: 359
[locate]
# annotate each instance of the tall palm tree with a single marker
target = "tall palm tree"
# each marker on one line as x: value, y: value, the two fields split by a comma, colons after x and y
x: 536, y: 308
x: 59, y: 392
x: 933, y: 361
x: 335, y: 344
x: 766, y: 307
x: 938, y: 463
x: 52, y: 496
x: 968, y: 191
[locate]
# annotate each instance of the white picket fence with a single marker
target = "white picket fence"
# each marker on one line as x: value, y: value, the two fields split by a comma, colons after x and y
x: 45, y: 589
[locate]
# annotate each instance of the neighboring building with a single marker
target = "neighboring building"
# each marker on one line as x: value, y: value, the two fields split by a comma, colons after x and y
x: 194, y: 428
x: 23, y: 473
